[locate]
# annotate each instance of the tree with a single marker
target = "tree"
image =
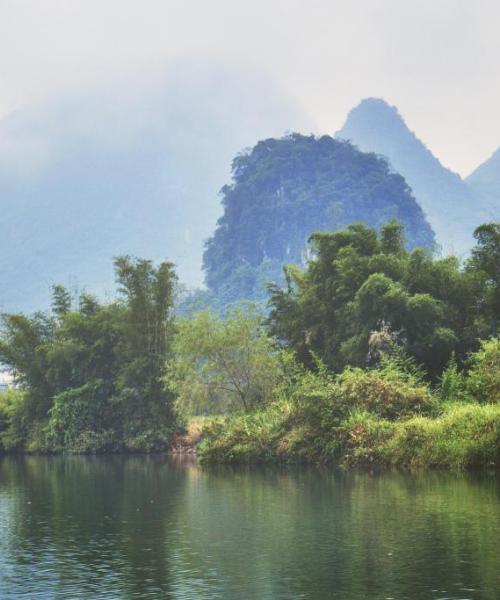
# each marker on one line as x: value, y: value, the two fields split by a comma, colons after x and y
x: 148, y: 293
x: 486, y: 259
x: 220, y: 366
x: 91, y: 375
x: 61, y: 300
x: 359, y: 279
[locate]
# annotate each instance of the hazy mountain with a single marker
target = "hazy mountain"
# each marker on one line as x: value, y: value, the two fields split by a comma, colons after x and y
x: 451, y: 206
x: 485, y: 182
x: 285, y: 189
x: 133, y: 169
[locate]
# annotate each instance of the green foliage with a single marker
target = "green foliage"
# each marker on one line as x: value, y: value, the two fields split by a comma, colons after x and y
x: 306, y: 422
x: 14, y: 425
x: 77, y: 412
x: 91, y: 375
x: 452, y: 383
x: 486, y: 260
x: 483, y: 382
x: 464, y: 436
x: 222, y: 365
x: 384, y: 416
x: 361, y: 283
x: 359, y: 338
x: 387, y: 393
x: 285, y: 189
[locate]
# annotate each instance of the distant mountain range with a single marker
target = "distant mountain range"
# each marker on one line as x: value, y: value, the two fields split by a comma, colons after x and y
x: 453, y: 206
x: 127, y: 171
x: 485, y: 183
x: 137, y: 171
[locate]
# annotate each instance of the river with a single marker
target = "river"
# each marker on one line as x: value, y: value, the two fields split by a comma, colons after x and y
x: 158, y: 527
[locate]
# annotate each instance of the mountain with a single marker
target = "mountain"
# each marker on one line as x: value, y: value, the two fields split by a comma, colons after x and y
x: 283, y: 190
x: 131, y: 169
x: 485, y: 183
x: 450, y: 204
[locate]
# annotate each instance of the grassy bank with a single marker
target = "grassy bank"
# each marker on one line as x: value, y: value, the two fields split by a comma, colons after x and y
x: 463, y: 436
x: 388, y: 416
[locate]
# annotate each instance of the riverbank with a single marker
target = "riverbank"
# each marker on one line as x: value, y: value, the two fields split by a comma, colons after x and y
x: 385, y: 416
x: 463, y: 436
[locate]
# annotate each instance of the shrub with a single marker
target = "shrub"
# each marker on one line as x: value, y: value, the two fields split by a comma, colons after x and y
x: 483, y: 381
x: 76, y: 417
x: 464, y: 436
x: 388, y: 393
x: 452, y: 383
x: 14, y: 419
x: 362, y: 437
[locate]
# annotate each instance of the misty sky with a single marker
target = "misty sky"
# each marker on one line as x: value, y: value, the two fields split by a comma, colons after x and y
x: 437, y: 60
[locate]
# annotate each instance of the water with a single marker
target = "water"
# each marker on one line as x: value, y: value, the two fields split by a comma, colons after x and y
x: 142, y: 527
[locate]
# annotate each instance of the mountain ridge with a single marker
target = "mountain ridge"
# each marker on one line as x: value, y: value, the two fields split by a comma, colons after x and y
x: 485, y: 181
x: 450, y: 203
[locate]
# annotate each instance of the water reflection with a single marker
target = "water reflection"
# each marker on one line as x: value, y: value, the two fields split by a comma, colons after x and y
x: 145, y: 527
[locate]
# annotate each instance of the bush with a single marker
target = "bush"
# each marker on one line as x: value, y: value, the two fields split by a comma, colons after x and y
x: 150, y: 440
x: 323, y: 419
x: 14, y: 419
x: 464, y: 436
x: 483, y: 382
x: 362, y: 437
x: 76, y: 418
x: 452, y: 384
x: 388, y: 393
x: 243, y: 438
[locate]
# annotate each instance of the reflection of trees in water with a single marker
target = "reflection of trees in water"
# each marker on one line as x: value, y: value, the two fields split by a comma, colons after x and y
x: 93, y: 522
x: 292, y: 531
x: 147, y: 526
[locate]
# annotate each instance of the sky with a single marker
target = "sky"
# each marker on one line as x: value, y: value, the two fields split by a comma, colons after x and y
x: 438, y: 61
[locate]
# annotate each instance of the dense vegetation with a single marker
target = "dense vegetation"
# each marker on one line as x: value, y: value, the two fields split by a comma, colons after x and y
x: 387, y: 415
x: 362, y: 287
x: 381, y: 355
x: 372, y: 354
x: 90, y: 377
x: 285, y: 189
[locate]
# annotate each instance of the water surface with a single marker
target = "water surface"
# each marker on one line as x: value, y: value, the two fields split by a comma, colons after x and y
x: 143, y: 527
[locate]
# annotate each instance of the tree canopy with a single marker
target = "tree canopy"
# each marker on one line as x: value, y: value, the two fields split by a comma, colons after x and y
x: 360, y: 282
x: 91, y: 373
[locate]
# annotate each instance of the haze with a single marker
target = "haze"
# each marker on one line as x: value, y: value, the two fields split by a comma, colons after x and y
x: 437, y: 60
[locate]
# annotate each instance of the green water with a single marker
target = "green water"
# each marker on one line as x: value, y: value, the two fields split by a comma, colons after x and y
x: 157, y: 528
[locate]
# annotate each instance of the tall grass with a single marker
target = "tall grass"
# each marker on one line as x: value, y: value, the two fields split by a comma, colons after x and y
x: 369, y: 417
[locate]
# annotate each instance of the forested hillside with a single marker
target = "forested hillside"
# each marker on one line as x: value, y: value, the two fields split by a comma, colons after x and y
x: 285, y: 189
